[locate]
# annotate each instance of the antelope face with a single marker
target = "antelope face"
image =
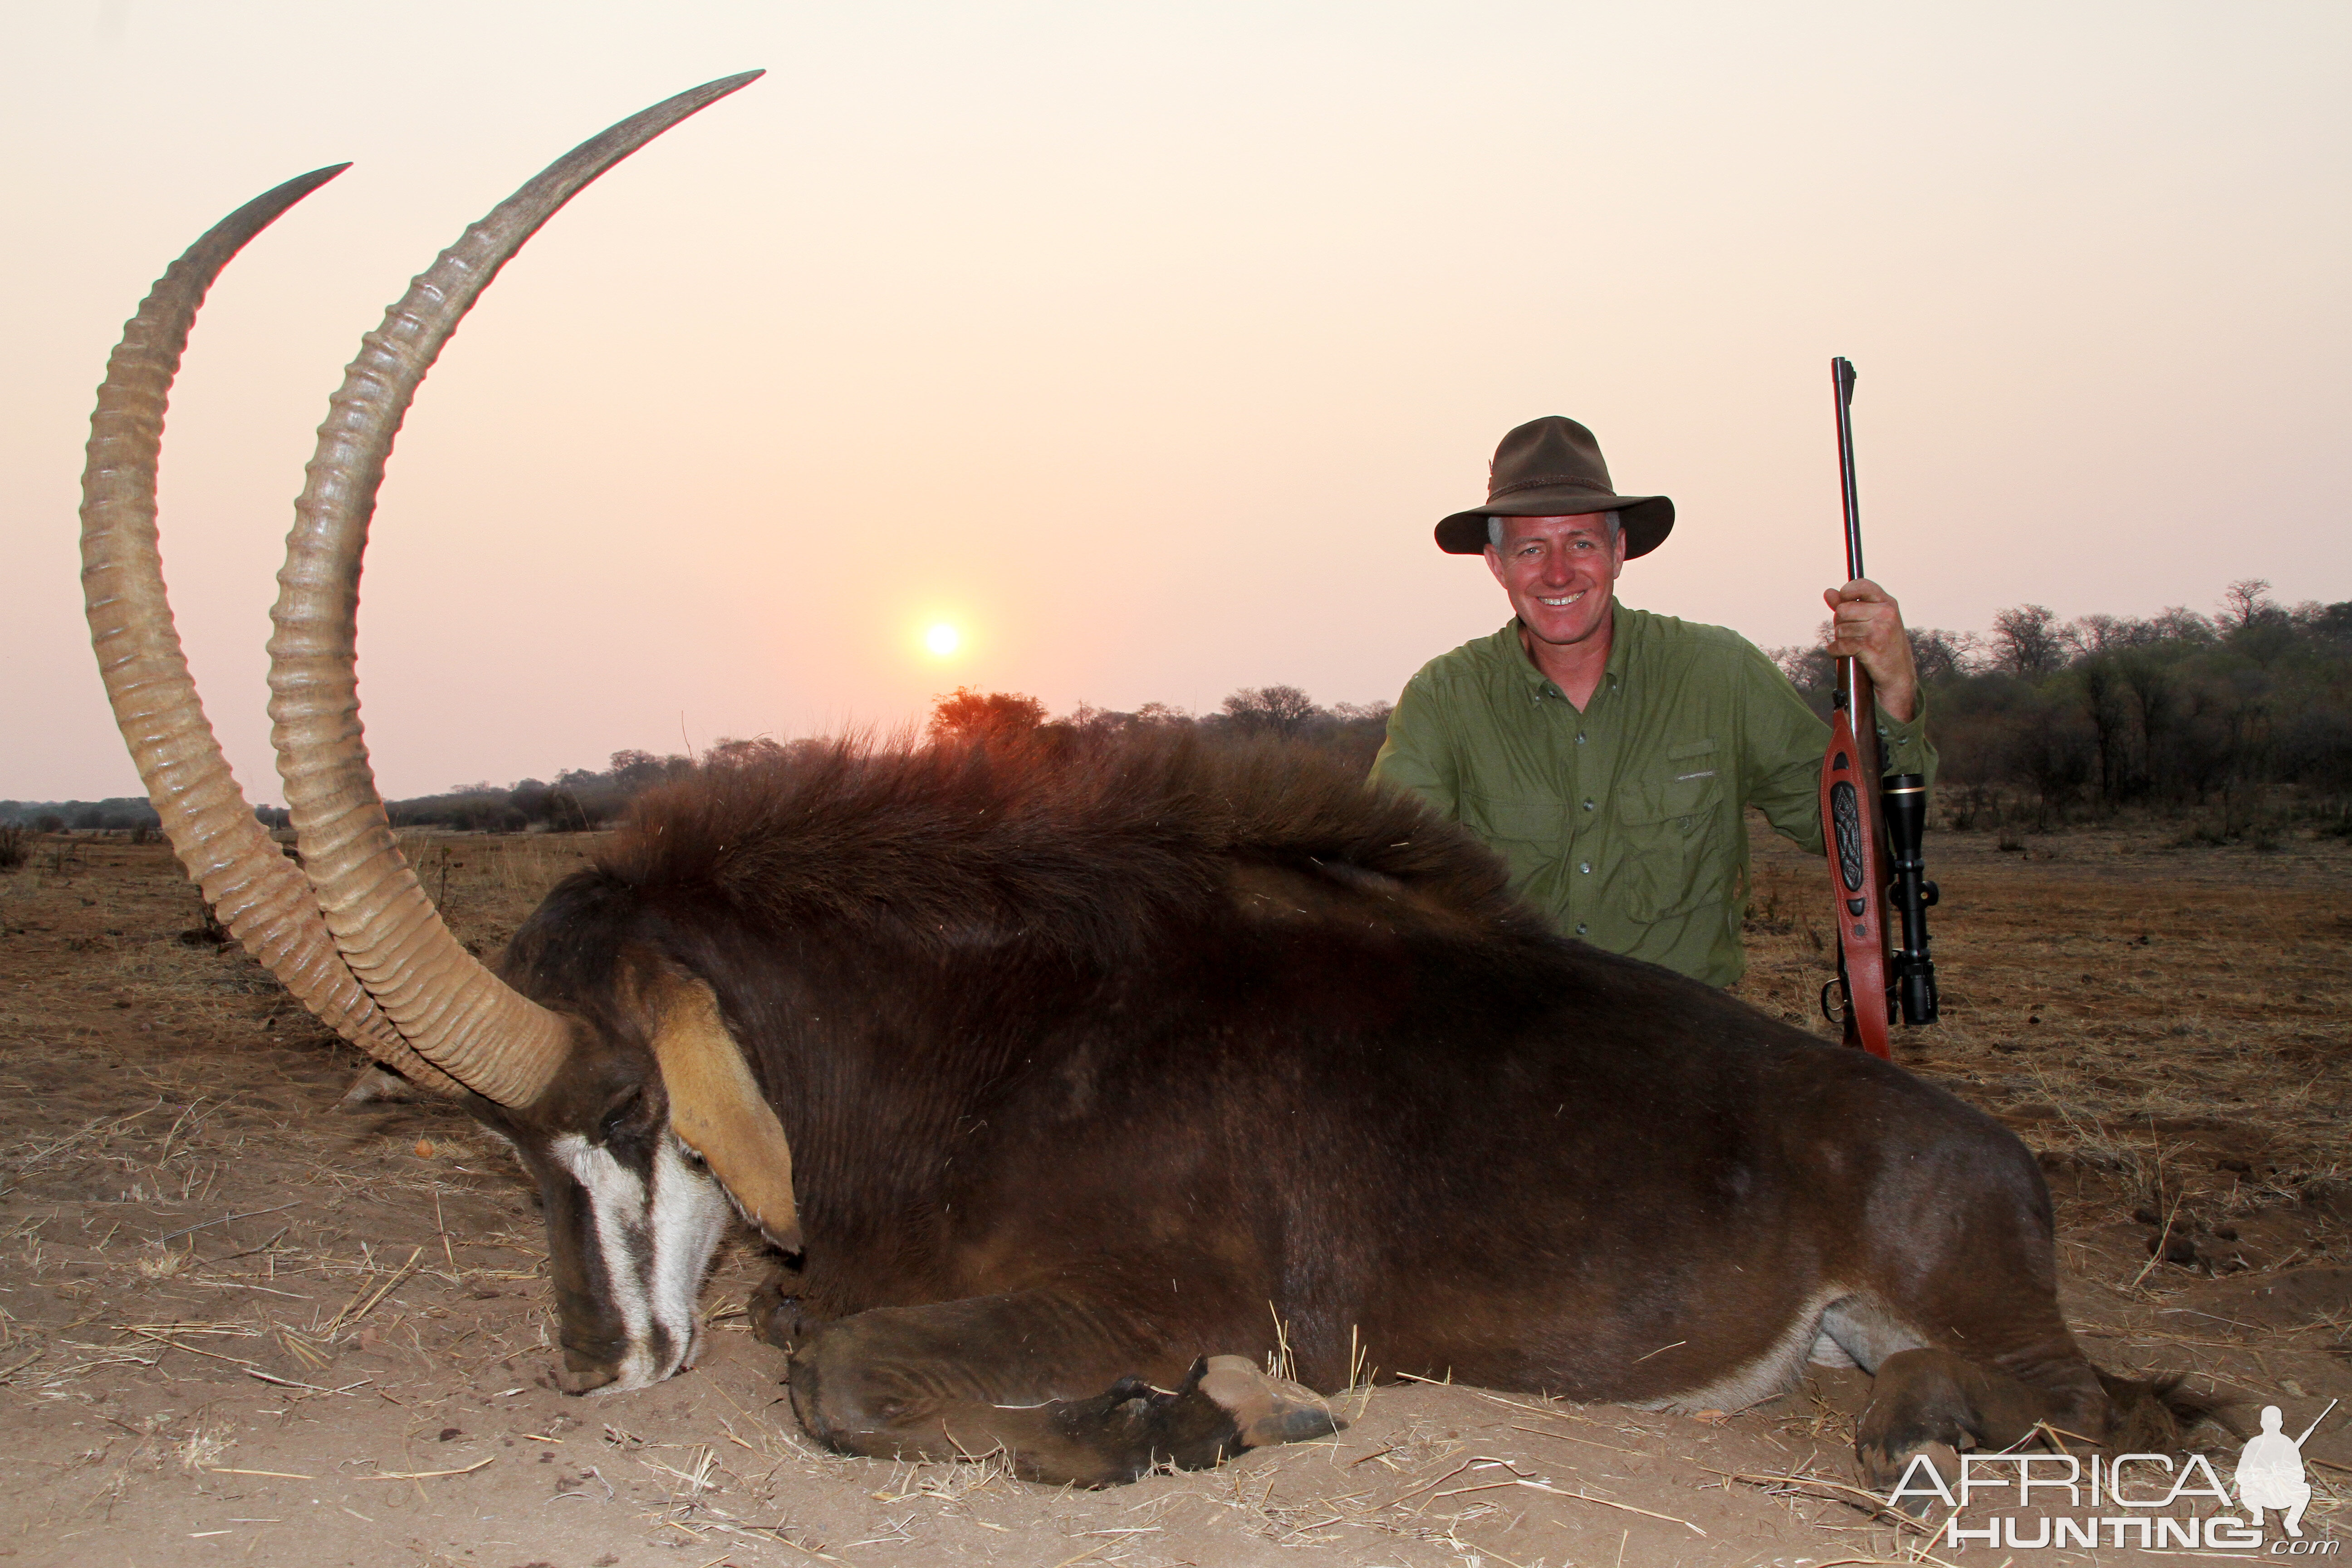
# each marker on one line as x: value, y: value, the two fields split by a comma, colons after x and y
x: 644, y: 1149
x: 633, y: 1219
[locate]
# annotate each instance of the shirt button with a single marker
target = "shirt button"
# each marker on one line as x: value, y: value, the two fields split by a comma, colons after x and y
x: 1588, y: 805
x: 1579, y: 740
x: 1579, y: 928
x: 1585, y: 866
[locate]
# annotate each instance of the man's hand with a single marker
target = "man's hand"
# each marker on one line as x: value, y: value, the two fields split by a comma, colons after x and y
x: 1866, y: 623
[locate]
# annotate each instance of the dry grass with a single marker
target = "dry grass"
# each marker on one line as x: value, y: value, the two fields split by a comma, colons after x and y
x: 2175, y: 1020
x: 219, y: 1298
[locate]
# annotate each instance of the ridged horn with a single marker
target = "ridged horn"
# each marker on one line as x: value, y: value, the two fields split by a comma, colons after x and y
x: 255, y: 890
x: 450, y: 1008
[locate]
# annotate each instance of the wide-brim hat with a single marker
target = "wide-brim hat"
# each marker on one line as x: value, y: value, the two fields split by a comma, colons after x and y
x: 1551, y: 468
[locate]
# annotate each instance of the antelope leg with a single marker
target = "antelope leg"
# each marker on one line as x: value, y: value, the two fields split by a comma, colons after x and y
x: 1042, y: 1378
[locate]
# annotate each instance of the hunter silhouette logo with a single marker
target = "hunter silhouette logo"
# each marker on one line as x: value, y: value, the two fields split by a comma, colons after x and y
x: 2270, y: 1472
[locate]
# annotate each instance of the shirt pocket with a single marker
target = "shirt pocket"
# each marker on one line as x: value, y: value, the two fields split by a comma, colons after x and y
x: 1671, y: 823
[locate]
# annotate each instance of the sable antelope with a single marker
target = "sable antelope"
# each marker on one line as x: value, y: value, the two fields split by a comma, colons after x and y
x: 1063, y: 1078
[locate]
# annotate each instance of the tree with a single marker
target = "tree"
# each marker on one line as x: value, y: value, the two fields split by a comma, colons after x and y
x: 2246, y: 601
x: 2127, y: 697
x: 1281, y: 710
x: 978, y: 717
x: 1807, y: 668
x: 533, y: 798
x: 2331, y: 625
x: 635, y: 770
x: 2026, y: 640
x: 1358, y: 732
x: 2180, y: 623
x: 1941, y: 655
x: 733, y: 754
x: 566, y: 813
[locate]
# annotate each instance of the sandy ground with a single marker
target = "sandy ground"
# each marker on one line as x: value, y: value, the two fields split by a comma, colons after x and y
x: 240, y: 1325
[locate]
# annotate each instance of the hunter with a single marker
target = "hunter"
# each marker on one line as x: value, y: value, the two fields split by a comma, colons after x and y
x: 1608, y: 754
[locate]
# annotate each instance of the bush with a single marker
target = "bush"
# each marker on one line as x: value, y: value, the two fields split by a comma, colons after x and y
x: 968, y: 715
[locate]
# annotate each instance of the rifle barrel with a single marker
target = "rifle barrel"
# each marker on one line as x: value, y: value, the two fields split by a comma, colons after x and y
x: 1843, y: 377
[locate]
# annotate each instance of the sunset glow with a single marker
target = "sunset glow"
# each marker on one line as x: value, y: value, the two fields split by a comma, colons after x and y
x: 942, y: 639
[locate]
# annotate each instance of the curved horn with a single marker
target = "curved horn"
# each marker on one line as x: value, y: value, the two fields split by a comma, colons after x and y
x: 452, y: 1010
x: 257, y: 893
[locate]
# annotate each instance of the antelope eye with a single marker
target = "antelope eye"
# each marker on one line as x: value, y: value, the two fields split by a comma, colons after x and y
x: 620, y: 1113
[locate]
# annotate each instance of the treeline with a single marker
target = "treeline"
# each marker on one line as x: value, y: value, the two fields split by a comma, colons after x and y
x: 114, y: 814
x: 2241, y: 720
x: 579, y: 798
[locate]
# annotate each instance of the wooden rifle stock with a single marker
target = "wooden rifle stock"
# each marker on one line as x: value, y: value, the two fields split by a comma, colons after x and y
x: 1851, y: 821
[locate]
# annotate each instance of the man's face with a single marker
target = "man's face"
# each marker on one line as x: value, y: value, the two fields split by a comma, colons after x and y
x: 1559, y: 572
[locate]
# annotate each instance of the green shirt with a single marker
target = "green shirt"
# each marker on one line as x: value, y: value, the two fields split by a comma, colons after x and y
x: 1624, y: 822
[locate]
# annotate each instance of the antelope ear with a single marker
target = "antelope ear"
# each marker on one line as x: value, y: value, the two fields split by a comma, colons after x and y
x: 715, y: 1107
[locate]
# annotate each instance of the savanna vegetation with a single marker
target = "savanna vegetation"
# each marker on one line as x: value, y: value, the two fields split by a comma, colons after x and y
x: 2238, y: 724
x: 581, y: 798
x: 114, y: 814
x: 2235, y: 727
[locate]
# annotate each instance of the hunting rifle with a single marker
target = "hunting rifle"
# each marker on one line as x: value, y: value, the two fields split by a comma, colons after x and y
x: 1867, y: 832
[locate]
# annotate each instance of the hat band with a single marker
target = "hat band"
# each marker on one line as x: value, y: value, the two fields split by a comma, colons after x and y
x: 1550, y: 481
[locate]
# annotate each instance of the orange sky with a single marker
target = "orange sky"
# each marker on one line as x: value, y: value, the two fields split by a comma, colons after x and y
x: 1145, y: 343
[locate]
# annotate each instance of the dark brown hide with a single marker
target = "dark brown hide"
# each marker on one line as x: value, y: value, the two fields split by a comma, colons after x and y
x: 1094, y: 1060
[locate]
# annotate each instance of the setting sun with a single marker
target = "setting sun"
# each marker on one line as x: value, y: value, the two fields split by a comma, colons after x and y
x: 942, y: 639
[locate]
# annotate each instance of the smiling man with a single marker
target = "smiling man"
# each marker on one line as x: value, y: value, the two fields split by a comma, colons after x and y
x: 1608, y: 754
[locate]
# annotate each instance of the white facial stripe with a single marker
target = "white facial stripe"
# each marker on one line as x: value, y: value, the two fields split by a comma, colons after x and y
x: 616, y: 1200
x: 690, y: 1214
x: 653, y: 1254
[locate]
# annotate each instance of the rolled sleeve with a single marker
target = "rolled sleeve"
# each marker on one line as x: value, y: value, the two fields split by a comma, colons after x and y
x: 1904, y: 746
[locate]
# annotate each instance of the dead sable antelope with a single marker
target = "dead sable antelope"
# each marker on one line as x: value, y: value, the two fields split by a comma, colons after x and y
x: 1063, y: 1079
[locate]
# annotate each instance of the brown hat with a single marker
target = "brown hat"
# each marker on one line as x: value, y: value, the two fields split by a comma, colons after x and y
x: 1551, y: 468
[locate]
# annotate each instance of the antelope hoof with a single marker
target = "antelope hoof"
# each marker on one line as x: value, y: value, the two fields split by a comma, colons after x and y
x: 1267, y: 1410
x: 1882, y: 1472
x: 775, y: 1317
x: 379, y: 1086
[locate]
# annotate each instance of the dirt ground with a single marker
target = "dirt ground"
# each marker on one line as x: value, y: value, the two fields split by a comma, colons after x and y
x: 241, y: 1325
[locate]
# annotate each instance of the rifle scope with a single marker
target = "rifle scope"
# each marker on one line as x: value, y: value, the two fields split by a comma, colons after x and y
x: 1903, y: 808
